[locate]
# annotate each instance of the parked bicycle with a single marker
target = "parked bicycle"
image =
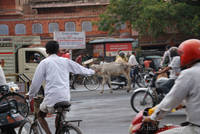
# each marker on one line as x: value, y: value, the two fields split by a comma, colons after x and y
x: 90, y: 82
x: 64, y: 127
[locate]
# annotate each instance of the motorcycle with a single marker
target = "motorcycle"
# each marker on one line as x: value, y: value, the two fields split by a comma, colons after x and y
x: 139, y: 127
x: 118, y: 82
x: 10, y: 117
x: 152, y: 94
x: 138, y: 79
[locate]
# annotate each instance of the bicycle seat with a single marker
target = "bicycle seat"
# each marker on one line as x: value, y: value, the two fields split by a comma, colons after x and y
x: 62, y: 105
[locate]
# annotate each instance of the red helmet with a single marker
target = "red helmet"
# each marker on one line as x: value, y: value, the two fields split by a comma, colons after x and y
x: 189, y: 51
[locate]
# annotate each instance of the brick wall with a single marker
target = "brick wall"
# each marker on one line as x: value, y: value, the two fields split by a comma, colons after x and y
x: 7, y: 4
x: 81, y: 14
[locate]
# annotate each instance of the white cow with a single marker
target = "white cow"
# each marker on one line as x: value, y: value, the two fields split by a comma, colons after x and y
x: 107, y: 70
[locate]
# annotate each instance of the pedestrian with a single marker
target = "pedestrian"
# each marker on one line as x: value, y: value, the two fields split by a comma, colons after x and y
x: 187, y: 88
x: 64, y: 53
x: 148, y: 64
x: 79, y: 58
x: 54, y: 70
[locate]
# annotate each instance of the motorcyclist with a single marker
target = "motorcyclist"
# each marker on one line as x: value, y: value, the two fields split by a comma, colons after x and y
x: 186, y: 87
x: 7, y: 127
x: 166, y: 59
x: 173, y: 68
x: 121, y: 58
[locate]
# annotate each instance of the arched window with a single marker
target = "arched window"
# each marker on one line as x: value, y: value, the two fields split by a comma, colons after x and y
x: 4, y: 29
x: 53, y: 27
x: 70, y: 26
x: 37, y: 28
x: 86, y: 26
x: 20, y: 29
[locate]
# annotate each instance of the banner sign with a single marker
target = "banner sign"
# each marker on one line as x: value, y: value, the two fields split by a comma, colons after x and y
x: 98, y: 50
x: 70, y: 40
x: 113, y: 48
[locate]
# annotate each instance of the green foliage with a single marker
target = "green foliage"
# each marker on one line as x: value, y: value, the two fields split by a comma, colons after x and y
x: 152, y: 17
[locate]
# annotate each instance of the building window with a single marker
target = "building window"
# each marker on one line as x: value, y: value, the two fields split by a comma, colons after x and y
x: 37, y: 28
x: 53, y: 27
x: 70, y: 26
x: 86, y: 26
x: 4, y: 29
x: 20, y: 29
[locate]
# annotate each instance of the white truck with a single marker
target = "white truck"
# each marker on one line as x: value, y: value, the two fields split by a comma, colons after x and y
x: 20, y: 55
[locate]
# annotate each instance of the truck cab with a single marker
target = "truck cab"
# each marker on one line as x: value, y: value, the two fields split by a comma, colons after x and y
x: 20, y: 55
x: 29, y: 58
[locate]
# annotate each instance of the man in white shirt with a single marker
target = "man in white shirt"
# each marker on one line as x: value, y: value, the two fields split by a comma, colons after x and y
x: 173, y: 68
x: 54, y: 70
x: 166, y: 59
x: 186, y: 87
x: 134, y: 70
x: 132, y: 60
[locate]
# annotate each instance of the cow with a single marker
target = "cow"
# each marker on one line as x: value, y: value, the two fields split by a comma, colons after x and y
x: 106, y: 70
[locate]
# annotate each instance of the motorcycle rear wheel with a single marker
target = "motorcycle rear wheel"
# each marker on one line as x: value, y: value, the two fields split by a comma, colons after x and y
x: 141, y: 100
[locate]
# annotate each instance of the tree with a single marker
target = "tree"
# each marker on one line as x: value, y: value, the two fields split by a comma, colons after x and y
x: 153, y: 17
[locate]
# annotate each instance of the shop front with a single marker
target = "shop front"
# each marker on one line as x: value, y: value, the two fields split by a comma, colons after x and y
x: 108, y: 48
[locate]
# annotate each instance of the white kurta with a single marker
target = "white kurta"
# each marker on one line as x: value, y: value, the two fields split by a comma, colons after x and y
x: 54, y: 70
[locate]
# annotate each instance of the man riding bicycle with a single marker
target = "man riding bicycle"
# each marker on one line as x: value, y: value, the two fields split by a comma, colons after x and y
x: 54, y: 70
x: 134, y: 70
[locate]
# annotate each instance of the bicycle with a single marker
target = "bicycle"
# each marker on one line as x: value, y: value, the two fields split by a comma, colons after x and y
x: 64, y: 127
x: 90, y: 82
x: 138, y: 77
x: 7, y: 94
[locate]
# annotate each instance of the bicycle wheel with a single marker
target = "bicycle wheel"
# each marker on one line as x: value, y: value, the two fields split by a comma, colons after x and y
x: 78, y: 81
x: 70, y: 129
x: 141, y: 100
x: 30, y: 128
x: 91, y: 82
x: 23, y: 107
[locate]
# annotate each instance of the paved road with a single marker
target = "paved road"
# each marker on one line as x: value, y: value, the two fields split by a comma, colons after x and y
x: 107, y: 113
